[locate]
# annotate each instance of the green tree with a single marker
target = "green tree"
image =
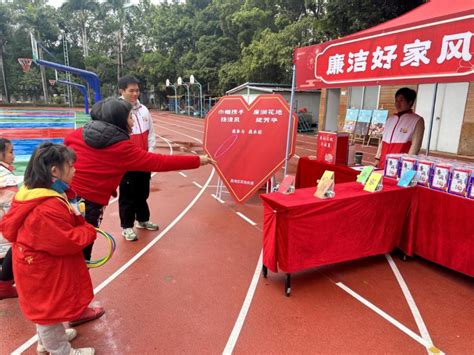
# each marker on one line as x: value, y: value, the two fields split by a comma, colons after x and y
x: 80, y: 14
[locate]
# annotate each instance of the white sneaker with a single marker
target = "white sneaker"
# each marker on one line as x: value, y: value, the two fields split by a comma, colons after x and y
x: 71, y: 333
x: 82, y: 351
x: 129, y: 234
x: 147, y: 225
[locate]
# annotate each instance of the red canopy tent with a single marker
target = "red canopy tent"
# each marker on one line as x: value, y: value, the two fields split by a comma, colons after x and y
x: 430, y: 44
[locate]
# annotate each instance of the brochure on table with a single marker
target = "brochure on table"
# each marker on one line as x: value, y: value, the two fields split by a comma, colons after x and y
x: 287, y: 186
x: 459, y: 181
x: 392, y: 164
x: 446, y: 175
x: 441, y: 176
x: 325, y: 188
x: 424, y: 172
x: 407, y: 164
x: 407, y: 179
x: 365, y: 174
x: 374, y: 183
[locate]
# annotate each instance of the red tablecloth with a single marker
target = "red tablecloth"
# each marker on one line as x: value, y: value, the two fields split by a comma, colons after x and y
x: 302, y: 231
x: 441, y: 229
x: 309, y: 171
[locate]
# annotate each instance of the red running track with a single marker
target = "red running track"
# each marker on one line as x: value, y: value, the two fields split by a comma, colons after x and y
x: 185, y: 294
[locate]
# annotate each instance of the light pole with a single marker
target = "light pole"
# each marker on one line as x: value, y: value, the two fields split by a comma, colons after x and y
x: 180, y: 83
x: 192, y: 81
x: 175, y: 95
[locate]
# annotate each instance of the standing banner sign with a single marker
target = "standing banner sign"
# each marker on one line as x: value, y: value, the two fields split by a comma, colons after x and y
x: 438, y: 51
x: 248, y: 142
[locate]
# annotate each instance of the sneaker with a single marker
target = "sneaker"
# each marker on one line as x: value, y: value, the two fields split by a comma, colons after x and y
x: 82, y: 351
x: 70, y: 333
x: 89, y: 314
x: 129, y: 234
x: 147, y: 225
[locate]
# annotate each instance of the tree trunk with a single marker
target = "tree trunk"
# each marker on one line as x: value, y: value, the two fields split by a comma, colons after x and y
x: 84, y: 41
x: 120, y: 55
x: 2, y: 66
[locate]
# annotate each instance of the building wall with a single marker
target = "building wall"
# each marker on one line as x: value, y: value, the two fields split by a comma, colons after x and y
x: 466, y: 143
x: 322, y: 108
x: 308, y: 100
x: 343, y: 103
x: 386, y: 101
x: 387, y: 96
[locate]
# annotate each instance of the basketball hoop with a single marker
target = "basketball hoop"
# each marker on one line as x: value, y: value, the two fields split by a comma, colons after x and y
x: 52, y: 82
x: 25, y: 64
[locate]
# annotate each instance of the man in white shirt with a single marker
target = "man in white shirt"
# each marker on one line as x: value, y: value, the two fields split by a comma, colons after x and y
x: 135, y: 185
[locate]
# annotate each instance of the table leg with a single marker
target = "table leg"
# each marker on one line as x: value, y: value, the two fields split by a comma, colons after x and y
x: 264, y: 271
x: 288, y: 285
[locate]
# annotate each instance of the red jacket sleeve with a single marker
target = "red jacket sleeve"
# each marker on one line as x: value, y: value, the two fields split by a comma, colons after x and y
x: 136, y: 159
x: 55, y: 232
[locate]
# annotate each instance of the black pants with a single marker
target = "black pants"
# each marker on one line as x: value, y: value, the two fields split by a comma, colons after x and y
x: 7, y: 267
x: 94, y: 213
x: 133, y: 193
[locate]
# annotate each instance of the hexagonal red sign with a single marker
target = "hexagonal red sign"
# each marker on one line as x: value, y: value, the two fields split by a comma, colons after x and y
x: 248, y: 142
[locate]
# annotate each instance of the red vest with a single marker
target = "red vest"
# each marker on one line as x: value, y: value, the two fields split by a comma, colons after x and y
x: 397, y: 135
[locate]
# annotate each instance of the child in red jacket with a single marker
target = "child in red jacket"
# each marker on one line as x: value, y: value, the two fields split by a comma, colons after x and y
x: 48, y: 235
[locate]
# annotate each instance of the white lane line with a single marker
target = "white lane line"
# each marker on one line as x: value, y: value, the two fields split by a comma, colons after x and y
x: 173, y: 123
x: 182, y: 174
x: 156, y: 239
x: 234, y: 335
x: 195, y: 183
x: 167, y: 142
x: 26, y: 345
x: 184, y: 127
x: 178, y: 132
x: 246, y: 218
x: 411, y: 302
x: 217, y: 198
x: 387, y: 317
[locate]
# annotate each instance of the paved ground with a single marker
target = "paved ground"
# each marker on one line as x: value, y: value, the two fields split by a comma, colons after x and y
x: 185, y: 289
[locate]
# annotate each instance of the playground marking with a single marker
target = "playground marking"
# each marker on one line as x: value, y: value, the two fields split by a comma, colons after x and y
x: 217, y: 198
x: 411, y: 302
x: 195, y: 183
x: 239, y: 323
x: 183, y: 134
x: 387, y: 317
x: 182, y: 174
x: 244, y: 217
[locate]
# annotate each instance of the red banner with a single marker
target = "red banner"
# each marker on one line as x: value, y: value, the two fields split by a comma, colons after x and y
x: 248, y: 142
x: 434, y: 52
